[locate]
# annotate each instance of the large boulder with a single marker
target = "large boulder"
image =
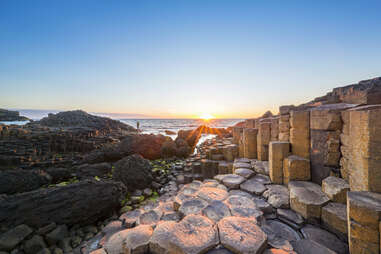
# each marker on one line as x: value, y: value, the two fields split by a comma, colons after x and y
x: 134, y: 171
x: 85, y: 202
x: 16, y: 181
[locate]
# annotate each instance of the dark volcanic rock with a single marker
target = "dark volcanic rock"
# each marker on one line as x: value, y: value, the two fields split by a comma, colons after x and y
x: 8, y: 115
x: 79, y: 118
x: 16, y: 181
x: 134, y: 171
x: 91, y: 170
x: 82, y: 203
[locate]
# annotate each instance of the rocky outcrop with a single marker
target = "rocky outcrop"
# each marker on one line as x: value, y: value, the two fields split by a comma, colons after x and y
x: 133, y: 171
x: 79, y: 118
x: 8, y: 115
x: 15, y: 181
x: 80, y: 203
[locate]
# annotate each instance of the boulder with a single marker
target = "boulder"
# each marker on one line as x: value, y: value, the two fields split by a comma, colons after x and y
x: 13, y: 237
x: 92, y: 170
x: 241, y: 235
x: 134, y: 171
x: 17, y: 181
x: 81, y: 203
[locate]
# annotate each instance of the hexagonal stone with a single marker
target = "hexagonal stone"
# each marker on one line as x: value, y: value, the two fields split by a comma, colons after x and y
x: 261, y: 167
x: 210, y: 194
x: 222, y: 187
x: 233, y: 181
x: 248, y: 212
x: 244, y: 172
x: 149, y: 218
x: 216, y: 210
x: 334, y: 217
x: 261, y: 179
x: 307, y: 199
x: 220, y: 251
x: 278, y: 251
x: 253, y: 187
x: 181, y: 198
x: 307, y: 246
x: 219, y: 177
x: 235, y: 201
x: 262, y: 205
x: 241, y: 165
x: 242, y: 160
x: 241, y: 235
x: 159, y: 242
x: 240, y: 193
x: 171, y: 216
x: 336, y: 189
x: 133, y: 240
x: 325, y: 238
x: 290, y: 217
x: 209, y: 183
x: 194, y: 234
x: 280, y: 234
x: 277, y: 196
x: 192, y: 206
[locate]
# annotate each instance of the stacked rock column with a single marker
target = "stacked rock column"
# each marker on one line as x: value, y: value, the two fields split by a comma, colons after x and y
x: 263, y: 140
x: 300, y: 133
x: 325, y: 129
x: 365, y: 138
x: 277, y: 152
x: 250, y: 143
x: 284, y: 123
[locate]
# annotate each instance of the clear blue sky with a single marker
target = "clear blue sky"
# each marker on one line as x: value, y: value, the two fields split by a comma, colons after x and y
x: 183, y: 58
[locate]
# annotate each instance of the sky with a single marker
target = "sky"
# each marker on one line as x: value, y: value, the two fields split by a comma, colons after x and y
x: 183, y: 59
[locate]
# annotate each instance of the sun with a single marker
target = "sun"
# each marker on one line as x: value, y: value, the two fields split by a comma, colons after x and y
x: 206, y: 116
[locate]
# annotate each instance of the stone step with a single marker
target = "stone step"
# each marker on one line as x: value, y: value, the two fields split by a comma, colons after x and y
x: 334, y: 217
x: 336, y: 189
x: 307, y: 199
x: 296, y: 168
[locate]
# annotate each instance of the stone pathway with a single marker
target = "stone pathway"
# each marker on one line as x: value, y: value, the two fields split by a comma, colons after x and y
x: 240, y: 212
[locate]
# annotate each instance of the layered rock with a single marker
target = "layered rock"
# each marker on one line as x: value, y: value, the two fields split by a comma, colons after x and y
x: 93, y: 200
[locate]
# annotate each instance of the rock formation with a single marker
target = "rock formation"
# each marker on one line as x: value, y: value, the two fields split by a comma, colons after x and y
x: 8, y: 115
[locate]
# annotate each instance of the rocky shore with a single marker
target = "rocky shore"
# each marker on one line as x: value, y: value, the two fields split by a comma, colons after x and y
x: 304, y: 181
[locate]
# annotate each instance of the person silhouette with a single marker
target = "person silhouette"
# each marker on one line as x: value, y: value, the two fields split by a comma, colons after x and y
x: 137, y: 125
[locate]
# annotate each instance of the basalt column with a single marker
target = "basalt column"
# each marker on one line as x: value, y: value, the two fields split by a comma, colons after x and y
x: 325, y: 125
x: 365, y: 138
x: 250, y: 143
x: 300, y: 133
x: 237, y: 132
x: 263, y: 140
x: 284, y: 122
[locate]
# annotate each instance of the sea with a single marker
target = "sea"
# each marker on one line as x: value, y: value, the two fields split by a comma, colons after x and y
x: 146, y: 126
